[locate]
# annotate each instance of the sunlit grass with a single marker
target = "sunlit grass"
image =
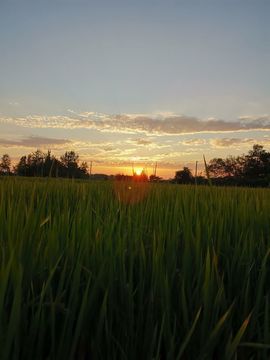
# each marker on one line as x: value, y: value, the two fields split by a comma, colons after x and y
x: 165, y: 272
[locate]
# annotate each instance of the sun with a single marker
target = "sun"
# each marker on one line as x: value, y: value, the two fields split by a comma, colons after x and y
x: 138, y: 171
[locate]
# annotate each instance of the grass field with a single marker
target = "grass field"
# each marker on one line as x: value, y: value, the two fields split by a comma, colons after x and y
x: 133, y: 271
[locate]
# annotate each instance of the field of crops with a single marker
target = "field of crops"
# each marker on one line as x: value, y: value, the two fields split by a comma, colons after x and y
x: 133, y: 271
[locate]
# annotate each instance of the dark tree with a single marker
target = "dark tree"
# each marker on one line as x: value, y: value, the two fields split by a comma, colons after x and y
x: 35, y: 162
x: 216, y: 167
x: 70, y: 166
x: 184, y: 176
x: 70, y: 162
x: 21, y: 168
x: 252, y: 169
x: 234, y: 166
x: 229, y: 167
x: 31, y: 165
x: 5, y: 165
x: 84, y: 167
x: 70, y: 159
x: 48, y: 167
x: 257, y: 163
x: 53, y: 167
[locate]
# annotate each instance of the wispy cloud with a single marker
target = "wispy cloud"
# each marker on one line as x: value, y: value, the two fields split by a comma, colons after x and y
x: 237, y: 142
x: 14, y: 103
x: 143, y: 142
x: 34, y: 142
x: 146, y: 143
x: 193, y: 142
x: 133, y: 124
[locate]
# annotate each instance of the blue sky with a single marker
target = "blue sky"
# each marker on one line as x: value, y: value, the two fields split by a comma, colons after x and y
x: 93, y: 60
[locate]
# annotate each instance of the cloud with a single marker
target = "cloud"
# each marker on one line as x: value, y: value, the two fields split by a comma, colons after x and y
x: 252, y: 117
x: 14, y: 103
x: 234, y: 142
x: 193, y: 142
x: 133, y: 124
x: 117, y: 152
x: 33, y: 142
x: 142, y: 142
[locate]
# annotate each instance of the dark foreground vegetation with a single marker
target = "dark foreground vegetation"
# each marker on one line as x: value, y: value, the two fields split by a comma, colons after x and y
x: 251, y: 169
x: 104, y: 270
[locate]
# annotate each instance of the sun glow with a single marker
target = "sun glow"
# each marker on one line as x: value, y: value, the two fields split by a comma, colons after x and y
x: 138, y: 171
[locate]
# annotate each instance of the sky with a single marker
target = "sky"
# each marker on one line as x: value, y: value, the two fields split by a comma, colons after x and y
x: 134, y: 82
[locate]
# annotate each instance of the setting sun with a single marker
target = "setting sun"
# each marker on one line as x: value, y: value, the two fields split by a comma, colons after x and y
x: 138, y: 171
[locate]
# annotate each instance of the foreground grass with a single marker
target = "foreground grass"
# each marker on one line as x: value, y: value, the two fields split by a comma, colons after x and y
x: 165, y: 272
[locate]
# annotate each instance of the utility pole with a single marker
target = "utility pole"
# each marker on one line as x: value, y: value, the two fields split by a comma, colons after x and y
x: 90, y: 169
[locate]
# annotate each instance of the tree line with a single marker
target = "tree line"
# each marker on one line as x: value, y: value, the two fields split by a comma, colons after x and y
x: 45, y: 165
x: 251, y: 169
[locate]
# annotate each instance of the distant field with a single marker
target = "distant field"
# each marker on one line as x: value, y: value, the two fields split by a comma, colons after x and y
x: 106, y: 270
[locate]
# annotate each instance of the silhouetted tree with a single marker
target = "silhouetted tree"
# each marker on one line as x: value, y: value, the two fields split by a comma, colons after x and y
x: 22, y: 168
x: 40, y: 164
x: 52, y: 166
x: 84, y: 167
x: 5, y: 165
x: 183, y: 176
x: 234, y: 166
x: 257, y: 163
x: 216, y: 167
x: 70, y: 161
x: 229, y: 167
x: 35, y: 162
x: 252, y: 169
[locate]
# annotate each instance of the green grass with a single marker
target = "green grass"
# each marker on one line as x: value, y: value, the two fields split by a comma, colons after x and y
x: 165, y: 272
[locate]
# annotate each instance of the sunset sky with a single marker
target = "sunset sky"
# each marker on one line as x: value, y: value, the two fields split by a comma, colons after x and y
x: 124, y: 82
